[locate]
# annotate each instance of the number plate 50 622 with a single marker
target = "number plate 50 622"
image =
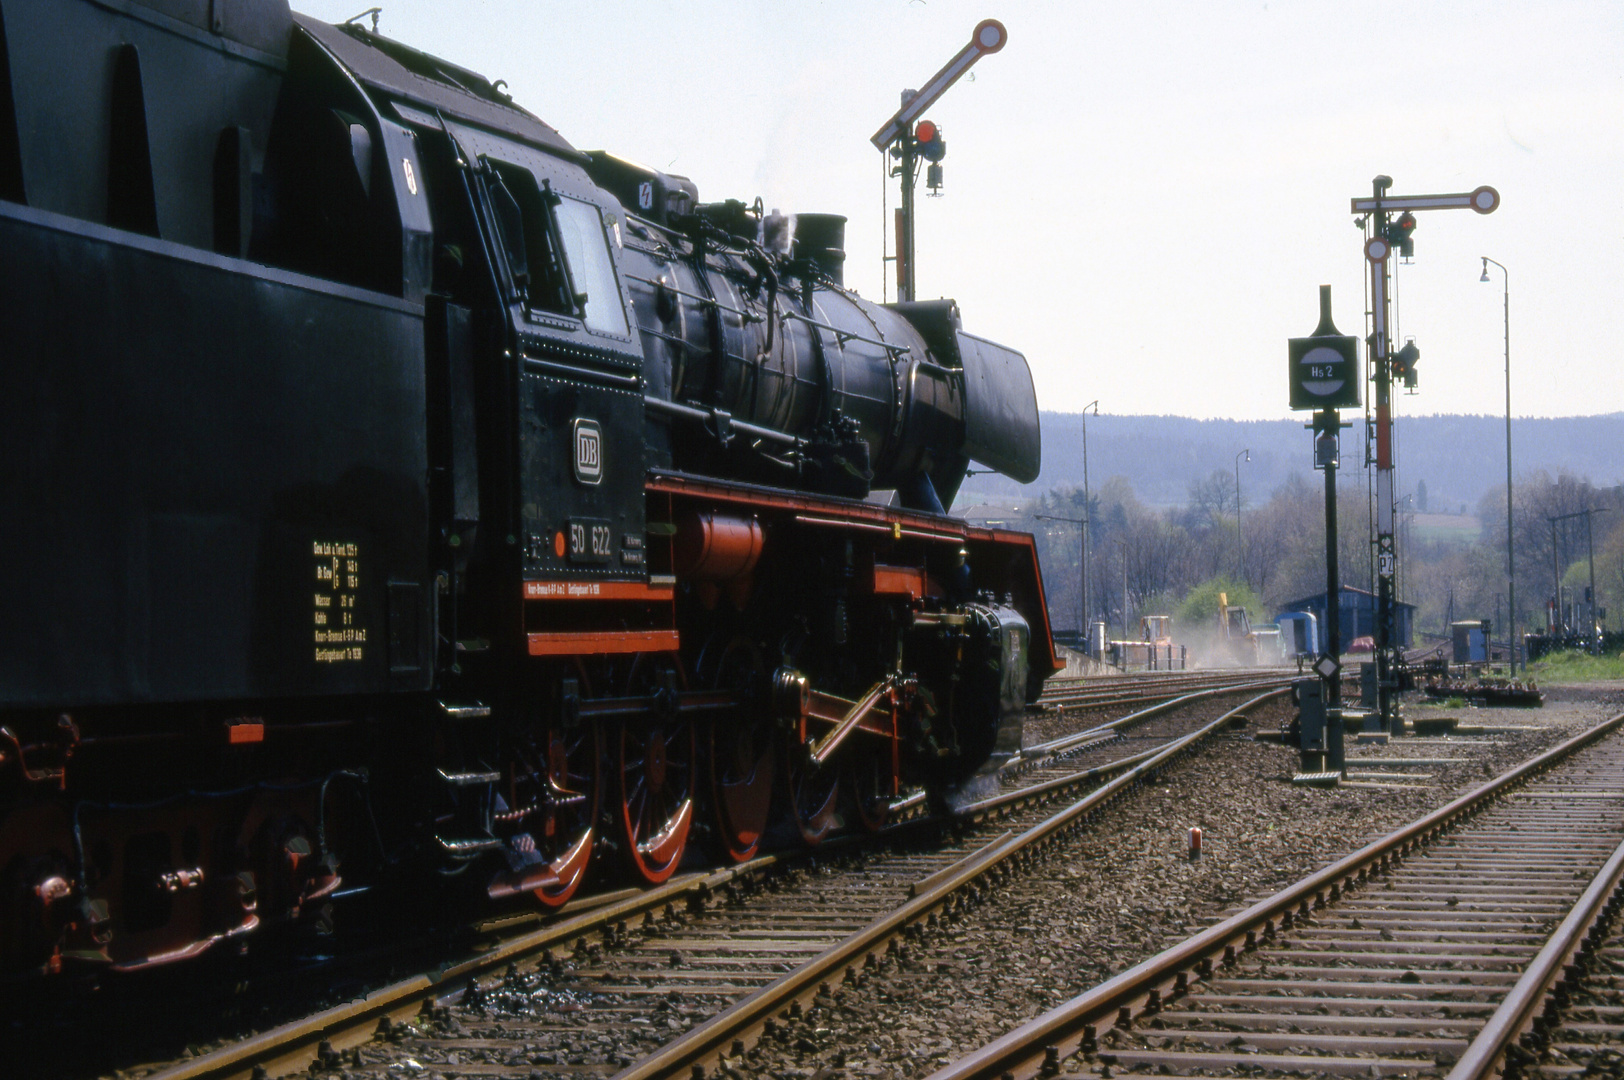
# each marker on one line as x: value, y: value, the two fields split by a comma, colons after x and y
x: 591, y: 540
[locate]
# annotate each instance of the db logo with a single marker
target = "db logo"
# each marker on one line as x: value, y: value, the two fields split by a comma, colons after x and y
x: 588, y: 451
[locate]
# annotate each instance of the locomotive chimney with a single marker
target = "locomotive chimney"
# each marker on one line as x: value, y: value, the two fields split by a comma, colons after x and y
x: 820, y: 239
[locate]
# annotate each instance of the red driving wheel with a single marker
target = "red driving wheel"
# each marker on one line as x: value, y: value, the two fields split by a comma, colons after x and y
x: 741, y: 752
x: 866, y: 778
x: 573, y: 783
x: 812, y: 792
x: 659, y: 771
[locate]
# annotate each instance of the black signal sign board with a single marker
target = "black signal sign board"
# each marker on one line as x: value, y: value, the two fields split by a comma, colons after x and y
x: 1324, y: 372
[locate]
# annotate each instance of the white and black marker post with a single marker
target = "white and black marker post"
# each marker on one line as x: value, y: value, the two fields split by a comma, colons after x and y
x: 1384, y: 235
x: 1325, y: 377
x: 896, y: 137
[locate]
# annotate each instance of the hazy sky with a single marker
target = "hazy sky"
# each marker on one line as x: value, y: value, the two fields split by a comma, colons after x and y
x: 1143, y: 197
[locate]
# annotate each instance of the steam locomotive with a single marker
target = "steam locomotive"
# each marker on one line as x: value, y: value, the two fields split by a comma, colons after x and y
x: 396, y: 497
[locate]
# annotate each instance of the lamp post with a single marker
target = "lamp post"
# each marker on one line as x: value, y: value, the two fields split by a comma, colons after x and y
x: 1088, y: 511
x: 1511, y: 565
x: 1240, y: 558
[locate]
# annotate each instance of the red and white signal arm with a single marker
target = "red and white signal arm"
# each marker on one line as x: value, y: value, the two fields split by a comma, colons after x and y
x: 989, y: 36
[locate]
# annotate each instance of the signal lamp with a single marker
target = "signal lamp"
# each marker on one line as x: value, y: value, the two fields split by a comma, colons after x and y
x: 1404, y: 362
x: 1398, y: 234
x: 928, y: 141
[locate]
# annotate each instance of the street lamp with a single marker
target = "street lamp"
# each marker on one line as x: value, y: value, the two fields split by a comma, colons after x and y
x: 1511, y: 565
x: 1240, y: 558
x: 1088, y: 510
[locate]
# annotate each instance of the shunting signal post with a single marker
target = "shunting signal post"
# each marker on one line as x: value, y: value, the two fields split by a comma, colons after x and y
x: 908, y: 140
x: 1385, y: 232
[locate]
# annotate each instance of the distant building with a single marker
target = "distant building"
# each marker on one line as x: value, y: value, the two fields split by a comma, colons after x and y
x: 1357, y: 609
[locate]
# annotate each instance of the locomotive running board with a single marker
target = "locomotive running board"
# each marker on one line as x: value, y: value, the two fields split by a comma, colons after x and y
x: 598, y: 643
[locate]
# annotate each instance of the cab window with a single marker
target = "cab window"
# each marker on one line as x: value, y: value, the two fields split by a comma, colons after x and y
x: 557, y: 250
x: 586, y: 250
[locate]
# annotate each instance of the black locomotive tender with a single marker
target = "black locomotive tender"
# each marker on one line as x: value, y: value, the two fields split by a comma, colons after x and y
x: 395, y: 497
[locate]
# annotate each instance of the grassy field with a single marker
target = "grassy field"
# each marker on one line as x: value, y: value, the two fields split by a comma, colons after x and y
x: 1574, y: 667
x: 1450, y: 528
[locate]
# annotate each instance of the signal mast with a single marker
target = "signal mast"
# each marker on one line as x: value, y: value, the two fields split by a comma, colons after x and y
x: 909, y: 140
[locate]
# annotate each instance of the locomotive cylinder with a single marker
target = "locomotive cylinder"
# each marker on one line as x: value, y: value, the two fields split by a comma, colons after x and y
x: 717, y: 548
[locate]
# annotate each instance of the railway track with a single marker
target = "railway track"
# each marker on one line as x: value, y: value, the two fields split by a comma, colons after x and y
x: 735, y: 946
x: 1577, y: 1032
x: 1427, y: 953
x: 1102, y: 691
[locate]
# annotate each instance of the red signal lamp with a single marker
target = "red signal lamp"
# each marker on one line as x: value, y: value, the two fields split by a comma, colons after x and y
x: 928, y: 141
x: 1398, y: 234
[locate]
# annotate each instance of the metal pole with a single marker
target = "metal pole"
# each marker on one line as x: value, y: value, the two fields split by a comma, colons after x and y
x: 1376, y: 252
x: 1511, y: 561
x: 1240, y: 555
x: 1088, y: 512
x: 1590, y: 608
x: 906, y: 275
x: 1561, y: 618
x: 1327, y: 424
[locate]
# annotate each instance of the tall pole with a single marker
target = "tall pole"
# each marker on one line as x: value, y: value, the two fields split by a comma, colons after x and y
x: 1088, y: 512
x: 1384, y: 236
x: 1376, y: 252
x: 1590, y: 607
x: 1561, y: 619
x: 1325, y: 377
x: 1240, y: 547
x: 1511, y: 560
x: 907, y: 168
x: 896, y: 136
x: 1327, y: 423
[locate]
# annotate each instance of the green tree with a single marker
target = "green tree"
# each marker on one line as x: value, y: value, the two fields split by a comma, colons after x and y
x: 1200, y: 607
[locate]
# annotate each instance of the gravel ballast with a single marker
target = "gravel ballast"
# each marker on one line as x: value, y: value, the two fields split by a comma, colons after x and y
x: 1103, y: 899
x: 1119, y: 894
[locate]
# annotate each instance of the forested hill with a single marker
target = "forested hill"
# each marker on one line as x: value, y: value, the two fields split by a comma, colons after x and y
x: 1458, y: 459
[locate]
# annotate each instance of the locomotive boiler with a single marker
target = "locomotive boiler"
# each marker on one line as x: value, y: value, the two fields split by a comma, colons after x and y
x: 398, y: 499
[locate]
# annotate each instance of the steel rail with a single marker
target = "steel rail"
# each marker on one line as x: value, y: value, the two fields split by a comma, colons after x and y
x: 1150, y: 681
x: 289, y: 1046
x: 1035, y: 1047
x: 1059, y: 746
x: 689, y: 1053
x: 1148, y: 693
x: 1579, y: 931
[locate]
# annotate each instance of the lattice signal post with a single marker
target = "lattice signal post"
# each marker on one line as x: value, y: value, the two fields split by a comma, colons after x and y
x: 1385, y: 233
